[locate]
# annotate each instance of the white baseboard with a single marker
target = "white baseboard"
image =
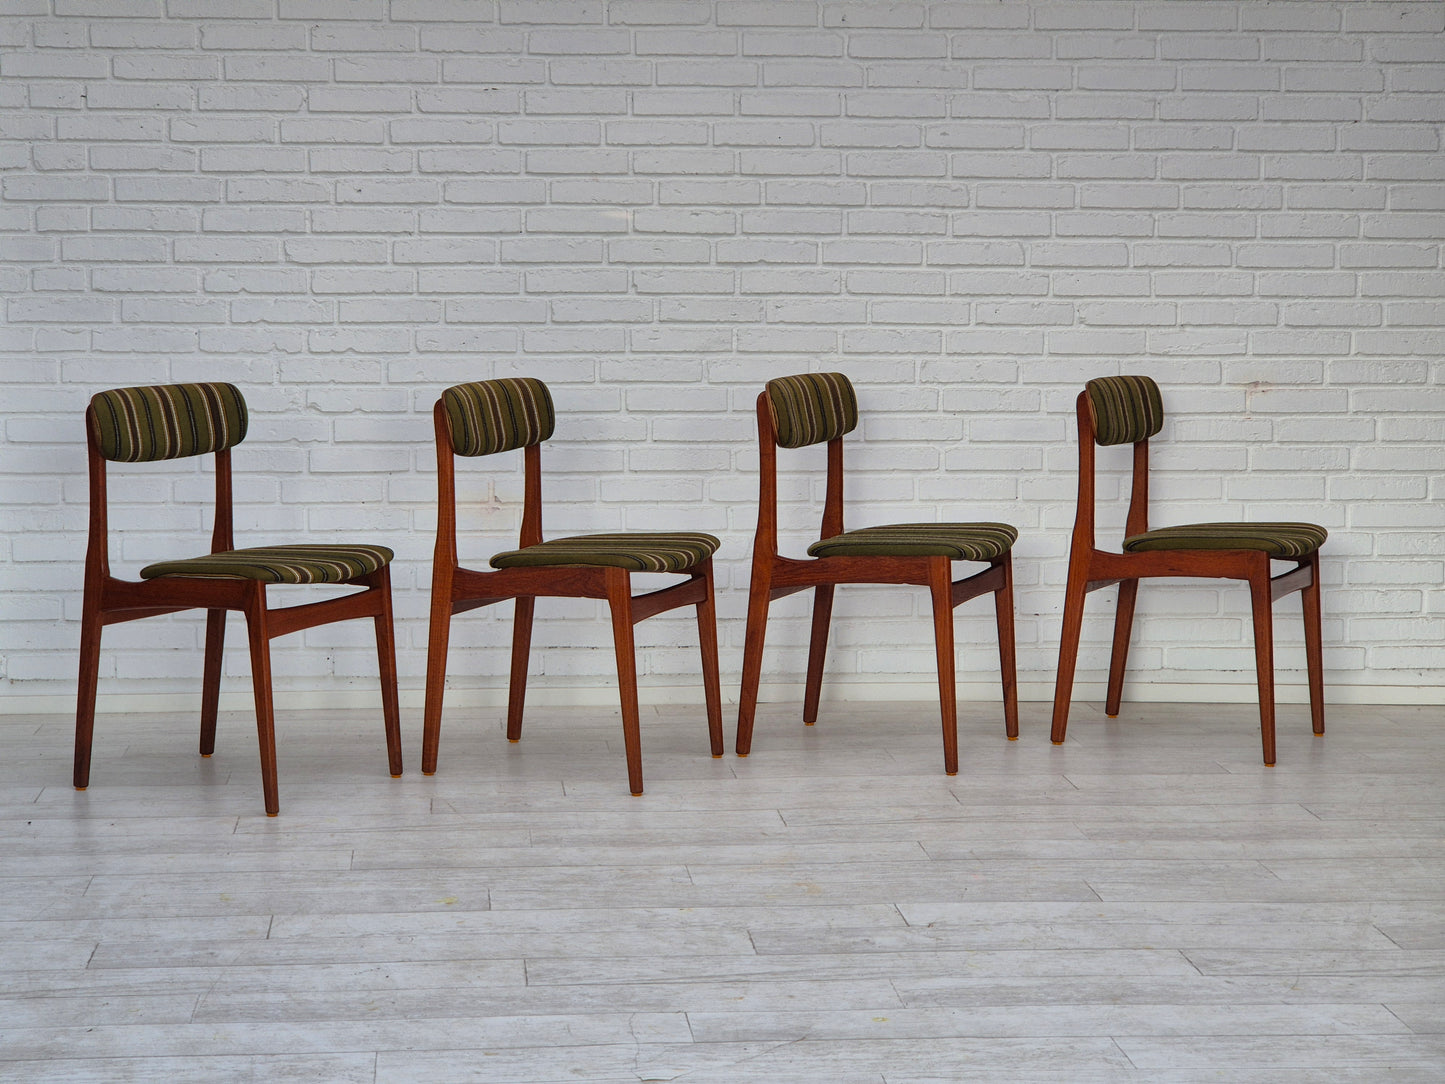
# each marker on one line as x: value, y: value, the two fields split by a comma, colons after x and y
x: 837, y: 692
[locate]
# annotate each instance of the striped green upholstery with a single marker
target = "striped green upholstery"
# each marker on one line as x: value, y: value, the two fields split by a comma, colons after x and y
x: 638, y: 551
x: 279, y: 564
x: 956, y: 541
x: 1127, y: 409
x: 491, y: 416
x: 167, y: 421
x: 1276, y: 539
x: 811, y: 408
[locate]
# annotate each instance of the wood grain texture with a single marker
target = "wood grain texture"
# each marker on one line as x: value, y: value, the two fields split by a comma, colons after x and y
x: 1146, y: 903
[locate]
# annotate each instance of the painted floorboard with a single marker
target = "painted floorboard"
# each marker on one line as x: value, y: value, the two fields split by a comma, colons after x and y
x: 1144, y: 903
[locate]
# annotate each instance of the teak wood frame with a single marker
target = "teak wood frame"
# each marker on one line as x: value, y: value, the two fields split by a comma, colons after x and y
x: 110, y: 601
x: 775, y: 576
x: 456, y: 590
x: 1091, y: 568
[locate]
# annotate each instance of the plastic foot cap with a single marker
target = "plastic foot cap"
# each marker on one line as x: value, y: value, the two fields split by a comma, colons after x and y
x: 1056, y: 742
x: 742, y: 756
x: 277, y: 813
x: 717, y: 756
x: 396, y: 775
x: 205, y: 756
x: 83, y: 788
x: 1013, y: 737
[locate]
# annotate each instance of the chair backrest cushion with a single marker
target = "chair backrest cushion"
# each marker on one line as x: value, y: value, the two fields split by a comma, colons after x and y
x: 812, y: 407
x: 167, y: 421
x: 1127, y: 409
x: 490, y: 416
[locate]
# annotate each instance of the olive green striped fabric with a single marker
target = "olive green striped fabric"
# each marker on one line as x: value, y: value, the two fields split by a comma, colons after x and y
x: 811, y: 408
x: 491, y: 416
x: 279, y: 564
x: 167, y: 421
x: 956, y: 541
x: 639, y: 551
x: 1127, y: 409
x: 1276, y: 539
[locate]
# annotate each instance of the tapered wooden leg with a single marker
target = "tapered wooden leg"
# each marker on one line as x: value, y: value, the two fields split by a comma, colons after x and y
x: 707, y: 638
x: 817, y: 650
x: 1068, y: 649
x: 1003, y: 608
x: 941, y: 587
x: 757, y: 630
x: 1263, y: 603
x: 211, y: 682
x: 619, y: 598
x: 438, y: 636
x: 521, y: 651
x: 1123, y: 625
x: 260, y: 640
x: 1314, y: 646
x: 386, y: 659
x: 90, y: 629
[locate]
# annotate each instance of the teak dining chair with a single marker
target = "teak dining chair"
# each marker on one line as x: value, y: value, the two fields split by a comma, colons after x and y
x: 1130, y: 410
x: 817, y: 408
x: 492, y: 416
x: 172, y: 421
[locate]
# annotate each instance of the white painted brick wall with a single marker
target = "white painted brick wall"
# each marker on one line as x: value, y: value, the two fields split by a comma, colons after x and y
x: 343, y: 206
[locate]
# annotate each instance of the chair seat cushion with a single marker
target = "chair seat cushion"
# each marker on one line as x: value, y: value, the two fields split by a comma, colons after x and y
x: 956, y: 541
x: 639, y: 551
x: 279, y: 564
x: 1276, y: 539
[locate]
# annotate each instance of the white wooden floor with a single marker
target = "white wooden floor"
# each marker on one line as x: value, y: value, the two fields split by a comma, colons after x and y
x: 1147, y: 902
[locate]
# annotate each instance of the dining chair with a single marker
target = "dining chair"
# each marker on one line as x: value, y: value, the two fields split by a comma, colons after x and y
x: 820, y: 408
x: 492, y: 416
x: 173, y: 421
x: 1129, y: 410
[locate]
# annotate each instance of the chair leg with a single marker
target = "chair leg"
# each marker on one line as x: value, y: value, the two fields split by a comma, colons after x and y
x: 211, y: 683
x: 1262, y: 603
x: 1314, y: 649
x: 90, y: 630
x: 707, y: 639
x: 1003, y: 607
x: 521, y: 651
x: 757, y: 630
x: 940, y: 585
x: 386, y: 660
x: 1123, y: 626
x: 817, y: 650
x: 260, y: 640
x: 1068, y: 649
x: 619, y: 598
x: 438, y: 636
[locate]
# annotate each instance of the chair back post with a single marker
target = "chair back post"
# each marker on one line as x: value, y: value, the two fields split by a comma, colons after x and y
x: 222, y: 538
x: 97, y: 548
x: 833, y: 499
x: 1137, y: 521
x: 445, y: 554
x: 765, y: 541
x: 1084, y: 515
x: 531, y: 534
